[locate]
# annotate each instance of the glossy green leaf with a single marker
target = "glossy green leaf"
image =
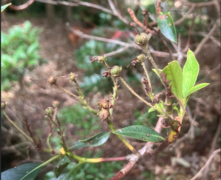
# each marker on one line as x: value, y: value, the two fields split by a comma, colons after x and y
x: 97, y: 139
x: 62, y: 164
x: 175, y: 74
x: 78, y: 145
x: 190, y: 72
x: 166, y: 25
x: 22, y: 172
x: 142, y: 133
x: 5, y: 6
x: 197, y: 87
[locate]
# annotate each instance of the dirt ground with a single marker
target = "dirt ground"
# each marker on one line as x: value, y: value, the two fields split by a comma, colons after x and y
x: 57, y: 48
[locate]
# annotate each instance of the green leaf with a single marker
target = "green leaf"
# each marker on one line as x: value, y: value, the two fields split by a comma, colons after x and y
x: 78, y: 144
x: 97, y: 139
x: 174, y: 73
x: 5, y: 6
x: 166, y: 25
x: 190, y: 72
x: 151, y: 110
x: 142, y: 133
x: 197, y: 87
x: 20, y: 172
x: 62, y: 164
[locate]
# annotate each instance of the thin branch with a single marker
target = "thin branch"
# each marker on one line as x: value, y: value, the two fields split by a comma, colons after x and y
x: 207, y: 164
x: 200, y: 45
x: 86, y: 36
x: 58, y: 2
x: 118, y: 51
x: 21, y: 7
x: 213, y: 146
x: 134, y: 18
x: 184, y: 16
x: 116, y: 13
x: 21, y: 131
x: 189, y: 35
x: 187, y: 3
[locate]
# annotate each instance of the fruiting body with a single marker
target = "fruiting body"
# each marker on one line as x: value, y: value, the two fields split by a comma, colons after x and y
x: 141, y: 58
x: 52, y: 80
x: 104, y: 114
x: 49, y: 111
x: 72, y: 77
x: 56, y: 104
x: 141, y: 39
x: 106, y: 104
x: 116, y: 71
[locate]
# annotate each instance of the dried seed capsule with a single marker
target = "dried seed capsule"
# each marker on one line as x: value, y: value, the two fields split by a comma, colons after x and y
x: 52, y: 80
x: 106, y: 104
x: 104, y: 114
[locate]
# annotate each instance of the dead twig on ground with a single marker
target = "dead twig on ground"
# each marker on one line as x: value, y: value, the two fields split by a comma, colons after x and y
x: 207, y: 164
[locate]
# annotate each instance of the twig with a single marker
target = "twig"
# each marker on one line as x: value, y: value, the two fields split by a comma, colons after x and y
x: 200, y: 45
x: 148, y: 78
x: 158, y: 8
x: 187, y: 3
x: 113, y: 53
x: 189, y: 35
x: 207, y: 164
x: 116, y: 13
x: 135, y: 94
x: 185, y: 15
x: 16, y: 126
x: 86, y: 36
x: 133, y: 16
x: 21, y: 7
x: 213, y: 146
x: 58, y: 2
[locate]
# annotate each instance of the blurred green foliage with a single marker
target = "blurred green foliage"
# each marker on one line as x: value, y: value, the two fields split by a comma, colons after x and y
x: 20, y: 52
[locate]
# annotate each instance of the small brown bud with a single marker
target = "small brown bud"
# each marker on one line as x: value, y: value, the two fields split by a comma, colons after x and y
x: 49, y: 111
x: 141, y: 39
x: 3, y: 105
x: 104, y: 114
x: 116, y: 71
x: 106, y: 73
x: 106, y: 104
x: 52, y: 80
